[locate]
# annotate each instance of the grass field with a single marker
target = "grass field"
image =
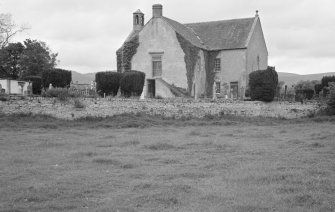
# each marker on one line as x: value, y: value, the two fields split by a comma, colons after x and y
x: 138, y: 163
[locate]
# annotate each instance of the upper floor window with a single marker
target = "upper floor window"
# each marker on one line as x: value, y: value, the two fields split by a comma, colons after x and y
x: 156, y: 65
x: 217, y: 65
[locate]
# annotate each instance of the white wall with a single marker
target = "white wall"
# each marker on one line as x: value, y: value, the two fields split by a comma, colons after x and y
x: 257, y: 47
x: 12, y: 86
x: 158, y: 36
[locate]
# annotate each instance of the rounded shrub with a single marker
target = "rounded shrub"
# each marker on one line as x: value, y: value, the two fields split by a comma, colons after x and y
x: 263, y: 84
x: 132, y: 83
x: 37, y: 83
x: 59, y: 78
x: 108, y: 82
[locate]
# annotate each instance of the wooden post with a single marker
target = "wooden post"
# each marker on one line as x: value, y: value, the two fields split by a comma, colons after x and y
x: 285, y: 92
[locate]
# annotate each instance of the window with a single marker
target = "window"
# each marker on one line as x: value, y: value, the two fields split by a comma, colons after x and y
x: 217, y: 87
x: 136, y: 19
x: 217, y: 65
x: 156, y: 65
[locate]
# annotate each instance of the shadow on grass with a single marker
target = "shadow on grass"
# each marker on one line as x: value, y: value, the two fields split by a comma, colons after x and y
x: 141, y: 120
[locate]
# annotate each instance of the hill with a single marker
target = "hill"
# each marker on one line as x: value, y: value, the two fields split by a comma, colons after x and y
x: 82, y: 78
x: 291, y: 79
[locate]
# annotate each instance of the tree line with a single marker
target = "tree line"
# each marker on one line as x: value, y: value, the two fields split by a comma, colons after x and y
x: 31, y: 60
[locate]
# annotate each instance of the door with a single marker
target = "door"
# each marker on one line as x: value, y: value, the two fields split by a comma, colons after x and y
x: 151, y: 88
x: 234, y: 90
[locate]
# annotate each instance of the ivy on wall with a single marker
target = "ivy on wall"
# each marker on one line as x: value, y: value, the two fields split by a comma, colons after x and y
x: 126, y: 53
x: 210, y: 74
x: 191, y: 56
x: 119, y: 60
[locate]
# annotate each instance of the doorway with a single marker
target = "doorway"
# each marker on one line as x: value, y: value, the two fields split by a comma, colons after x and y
x: 151, y: 88
x: 234, y: 90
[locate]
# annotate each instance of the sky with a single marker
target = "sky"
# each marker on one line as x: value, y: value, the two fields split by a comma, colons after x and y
x: 86, y: 33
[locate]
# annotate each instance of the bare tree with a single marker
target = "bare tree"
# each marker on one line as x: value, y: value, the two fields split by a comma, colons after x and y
x: 8, y: 29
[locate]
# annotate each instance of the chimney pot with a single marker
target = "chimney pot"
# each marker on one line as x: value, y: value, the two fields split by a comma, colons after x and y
x: 157, y: 10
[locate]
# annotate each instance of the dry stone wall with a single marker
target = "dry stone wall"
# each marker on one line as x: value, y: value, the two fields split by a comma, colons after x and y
x: 176, y: 107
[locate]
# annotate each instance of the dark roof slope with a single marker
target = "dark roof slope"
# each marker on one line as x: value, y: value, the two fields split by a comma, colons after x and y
x: 185, y: 32
x: 215, y: 35
x: 226, y: 34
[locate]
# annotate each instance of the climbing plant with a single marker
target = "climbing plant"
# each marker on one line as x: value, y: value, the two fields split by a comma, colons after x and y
x: 119, y: 60
x: 210, y: 74
x: 191, y: 56
x: 126, y: 53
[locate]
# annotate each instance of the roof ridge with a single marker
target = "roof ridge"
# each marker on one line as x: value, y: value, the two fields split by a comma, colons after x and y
x: 207, y: 22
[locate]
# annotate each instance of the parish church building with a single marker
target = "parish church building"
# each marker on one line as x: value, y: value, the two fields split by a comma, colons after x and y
x: 195, y: 59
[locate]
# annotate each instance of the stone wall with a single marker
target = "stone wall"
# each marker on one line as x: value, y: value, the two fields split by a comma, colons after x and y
x: 174, y: 107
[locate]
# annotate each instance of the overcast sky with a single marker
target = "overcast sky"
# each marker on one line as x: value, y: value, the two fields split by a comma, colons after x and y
x: 86, y: 33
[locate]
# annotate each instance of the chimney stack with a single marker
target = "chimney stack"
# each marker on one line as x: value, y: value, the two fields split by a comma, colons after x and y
x: 157, y: 10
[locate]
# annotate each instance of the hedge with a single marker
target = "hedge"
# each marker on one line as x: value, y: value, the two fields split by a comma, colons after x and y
x: 59, y: 78
x: 132, y: 83
x: 263, y: 84
x: 37, y: 83
x: 307, y: 93
x: 108, y: 82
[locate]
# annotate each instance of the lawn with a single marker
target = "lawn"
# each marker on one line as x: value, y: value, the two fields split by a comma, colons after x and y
x: 166, y: 165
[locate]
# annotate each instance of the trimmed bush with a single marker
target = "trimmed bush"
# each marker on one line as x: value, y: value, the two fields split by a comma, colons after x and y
x: 59, y: 78
x: 108, y: 82
x: 37, y: 83
x: 263, y: 84
x: 132, y: 83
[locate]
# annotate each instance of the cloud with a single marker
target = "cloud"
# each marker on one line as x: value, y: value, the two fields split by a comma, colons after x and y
x: 87, y: 33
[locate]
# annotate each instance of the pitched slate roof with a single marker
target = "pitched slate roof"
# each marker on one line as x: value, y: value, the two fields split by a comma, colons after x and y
x: 186, y: 32
x: 215, y: 35
x: 226, y: 34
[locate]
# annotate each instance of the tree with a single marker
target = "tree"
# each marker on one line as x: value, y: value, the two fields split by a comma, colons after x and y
x: 318, y: 88
x: 326, y: 79
x: 8, y: 29
x: 36, y: 58
x: 10, y: 60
